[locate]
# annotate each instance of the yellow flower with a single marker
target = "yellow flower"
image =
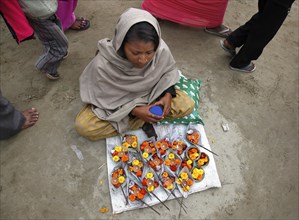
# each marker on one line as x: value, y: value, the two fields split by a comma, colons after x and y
x: 170, y: 186
x: 125, y: 149
x: 135, y: 162
x: 134, y: 138
x: 171, y: 156
x: 115, y: 158
x: 200, y: 171
x: 180, y: 143
x: 195, y: 175
x: 117, y: 148
x: 145, y: 155
x: 184, y: 175
x: 201, y: 162
x: 121, y: 179
x: 189, y: 162
x: 149, y: 175
x: 186, y: 189
x: 195, y: 170
x: 150, y: 188
x: 206, y: 159
x: 125, y: 144
x: 179, y: 181
x: 134, y: 144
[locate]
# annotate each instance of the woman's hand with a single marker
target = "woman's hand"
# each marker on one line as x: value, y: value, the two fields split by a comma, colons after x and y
x: 165, y: 101
x: 144, y: 114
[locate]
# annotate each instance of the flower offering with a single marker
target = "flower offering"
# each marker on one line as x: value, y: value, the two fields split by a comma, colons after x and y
x: 179, y: 146
x: 172, y: 161
x: 184, y: 181
x: 119, y: 153
x: 193, y: 153
x: 147, y: 149
x: 167, y: 180
x: 155, y: 162
x: 130, y: 141
x: 136, y: 192
x: 118, y: 177
x: 193, y: 136
x: 163, y: 145
x: 149, y: 182
x: 136, y: 167
x: 197, y: 173
x: 203, y: 159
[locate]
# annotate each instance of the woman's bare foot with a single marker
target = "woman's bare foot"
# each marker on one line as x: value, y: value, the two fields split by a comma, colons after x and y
x: 80, y: 24
x: 31, y: 117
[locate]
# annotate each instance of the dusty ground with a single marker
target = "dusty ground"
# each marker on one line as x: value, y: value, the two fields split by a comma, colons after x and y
x: 41, y: 177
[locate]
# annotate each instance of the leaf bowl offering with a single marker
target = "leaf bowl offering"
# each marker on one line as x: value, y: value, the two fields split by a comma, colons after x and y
x: 118, y: 177
x: 193, y: 153
x: 193, y: 136
x: 197, y: 173
x: 147, y: 149
x: 179, y: 146
x: 163, y: 145
x: 135, y: 192
x: 172, y: 160
x: 184, y: 181
x: 203, y: 160
x: 120, y: 153
x: 155, y: 162
x: 129, y: 141
x: 135, y: 166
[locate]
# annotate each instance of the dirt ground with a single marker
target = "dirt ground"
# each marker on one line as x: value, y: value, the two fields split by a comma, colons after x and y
x: 41, y: 177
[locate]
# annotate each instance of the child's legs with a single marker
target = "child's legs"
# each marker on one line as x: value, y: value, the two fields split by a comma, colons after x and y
x: 54, y: 41
x: 90, y: 126
x: 181, y: 105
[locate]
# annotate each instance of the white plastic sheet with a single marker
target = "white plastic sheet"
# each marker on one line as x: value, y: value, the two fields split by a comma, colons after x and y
x: 210, y: 180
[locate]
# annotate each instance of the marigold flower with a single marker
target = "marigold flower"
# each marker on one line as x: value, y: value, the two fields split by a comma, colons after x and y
x: 184, y: 175
x: 117, y: 148
x: 170, y: 186
x: 171, y: 156
x: 121, y: 179
x: 150, y: 188
x: 189, y: 162
x: 145, y: 155
x: 149, y: 175
x: 134, y: 144
x: 115, y: 158
x: 135, y: 162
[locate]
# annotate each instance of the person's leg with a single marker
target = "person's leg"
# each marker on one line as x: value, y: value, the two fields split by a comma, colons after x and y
x: 13, y: 121
x: 90, y: 126
x: 264, y: 29
x: 182, y: 105
x: 54, y: 41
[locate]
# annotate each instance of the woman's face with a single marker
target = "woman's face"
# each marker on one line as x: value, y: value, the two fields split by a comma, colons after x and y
x: 139, y: 53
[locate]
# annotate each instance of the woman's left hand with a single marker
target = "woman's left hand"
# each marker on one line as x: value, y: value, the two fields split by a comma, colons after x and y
x: 165, y: 101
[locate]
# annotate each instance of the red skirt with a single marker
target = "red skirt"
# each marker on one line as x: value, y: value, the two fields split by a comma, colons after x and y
x: 195, y: 13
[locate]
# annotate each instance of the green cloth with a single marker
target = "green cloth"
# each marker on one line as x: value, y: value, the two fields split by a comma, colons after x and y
x: 191, y: 88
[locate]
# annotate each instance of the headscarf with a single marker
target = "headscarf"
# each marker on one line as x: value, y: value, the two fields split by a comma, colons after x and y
x: 114, y: 86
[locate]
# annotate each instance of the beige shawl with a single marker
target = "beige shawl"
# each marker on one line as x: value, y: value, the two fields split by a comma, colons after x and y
x: 114, y: 87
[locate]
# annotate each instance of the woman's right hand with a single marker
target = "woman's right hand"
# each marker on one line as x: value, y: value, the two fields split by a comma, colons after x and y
x: 144, y: 114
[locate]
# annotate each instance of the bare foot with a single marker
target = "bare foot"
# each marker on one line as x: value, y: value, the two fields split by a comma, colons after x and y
x: 80, y: 24
x: 31, y: 117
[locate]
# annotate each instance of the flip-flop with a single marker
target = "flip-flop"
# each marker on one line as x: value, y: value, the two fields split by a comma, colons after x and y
x: 53, y: 76
x: 247, y: 69
x: 84, y: 24
x: 230, y: 52
x: 221, y: 33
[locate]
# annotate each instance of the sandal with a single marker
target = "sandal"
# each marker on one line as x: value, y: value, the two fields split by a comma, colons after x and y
x: 53, y: 76
x: 221, y: 31
x: 231, y: 52
x: 80, y: 24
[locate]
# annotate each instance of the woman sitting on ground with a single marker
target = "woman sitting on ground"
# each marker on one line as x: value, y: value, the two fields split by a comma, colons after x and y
x: 131, y: 73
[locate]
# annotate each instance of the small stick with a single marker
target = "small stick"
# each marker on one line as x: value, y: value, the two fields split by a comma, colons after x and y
x: 124, y: 194
x: 150, y: 207
x: 160, y: 200
x: 181, y: 207
x: 206, y: 149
